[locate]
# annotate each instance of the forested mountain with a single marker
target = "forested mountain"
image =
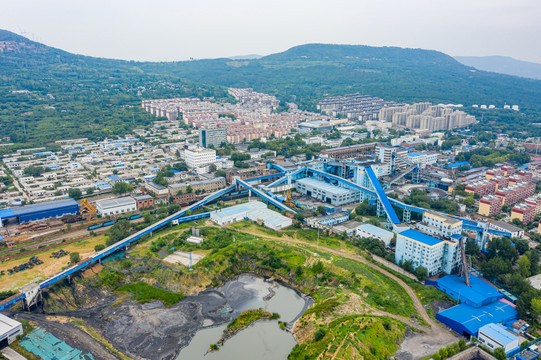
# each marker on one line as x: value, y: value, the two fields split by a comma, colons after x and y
x: 75, y: 96
x: 503, y: 65
x: 80, y: 96
x: 309, y: 72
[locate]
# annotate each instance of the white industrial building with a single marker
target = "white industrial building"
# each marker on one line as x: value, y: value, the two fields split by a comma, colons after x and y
x: 9, y: 329
x: 197, y: 157
x: 253, y: 210
x: 327, y: 193
x: 371, y: 231
x: 439, y: 224
x: 434, y: 254
x: 113, y: 207
x: 422, y: 159
x: 494, y: 336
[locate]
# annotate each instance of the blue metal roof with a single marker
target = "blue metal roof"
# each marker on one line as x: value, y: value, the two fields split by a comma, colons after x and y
x: 455, y: 165
x: 35, y: 208
x: 415, y: 154
x: 421, y: 237
x: 478, y: 294
x: 499, y: 333
x: 468, y: 319
x: 6, y: 214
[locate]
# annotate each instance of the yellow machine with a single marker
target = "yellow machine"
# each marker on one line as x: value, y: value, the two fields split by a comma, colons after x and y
x: 88, y: 211
x: 289, y: 199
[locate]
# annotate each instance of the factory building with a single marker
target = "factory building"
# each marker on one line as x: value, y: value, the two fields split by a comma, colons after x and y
x: 490, y: 205
x: 214, y: 137
x: 422, y: 159
x: 144, y: 202
x: 349, y: 152
x: 9, y: 330
x: 371, y: 231
x: 439, y: 224
x: 494, y: 336
x: 328, y: 220
x: 203, y: 185
x: 40, y: 211
x: 436, y: 255
x: 327, y: 193
x: 253, y: 210
x: 112, y: 207
x: 320, y: 125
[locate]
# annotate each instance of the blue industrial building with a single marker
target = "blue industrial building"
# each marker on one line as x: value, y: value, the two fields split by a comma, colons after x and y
x: 466, y: 320
x: 40, y: 211
x: 478, y: 294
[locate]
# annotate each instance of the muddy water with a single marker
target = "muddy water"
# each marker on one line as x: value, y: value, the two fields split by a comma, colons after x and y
x: 264, y: 340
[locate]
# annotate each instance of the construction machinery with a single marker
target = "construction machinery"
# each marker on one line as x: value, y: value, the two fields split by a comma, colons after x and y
x: 88, y: 211
x: 289, y: 200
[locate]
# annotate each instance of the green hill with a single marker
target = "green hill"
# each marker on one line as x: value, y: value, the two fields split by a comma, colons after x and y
x: 80, y: 96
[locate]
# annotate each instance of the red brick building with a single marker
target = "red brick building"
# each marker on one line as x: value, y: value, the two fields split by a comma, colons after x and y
x: 184, y: 198
x: 144, y: 202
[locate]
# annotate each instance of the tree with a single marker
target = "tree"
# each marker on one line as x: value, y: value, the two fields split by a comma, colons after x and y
x: 319, y: 334
x: 299, y: 217
x: 298, y: 270
x: 535, y: 308
x: 122, y: 187
x: 472, y: 248
x: 173, y: 208
x: 90, y: 191
x: 533, y: 256
x: 212, y: 167
x: 220, y: 173
x: 321, y: 210
x: 75, y: 193
x: 521, y: 245
x: 99, y: 247
x: 160, y: 180
x: 365, y: 208
x: 118, y: 231
x: 421, y: 273
x: 500, y: 354
x: 524, y: 303
x: 495, y: 267
x: 34, y: 170
x: 517, y: 222
x: 189, y: 189
x: 524, y: 266
x: 74, y: 257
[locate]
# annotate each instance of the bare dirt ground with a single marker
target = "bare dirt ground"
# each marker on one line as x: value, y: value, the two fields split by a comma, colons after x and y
x: 72, y: 335
x: 183, y: 258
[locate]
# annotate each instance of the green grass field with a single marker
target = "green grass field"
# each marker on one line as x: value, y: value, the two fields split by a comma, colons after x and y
x: 143, y: 293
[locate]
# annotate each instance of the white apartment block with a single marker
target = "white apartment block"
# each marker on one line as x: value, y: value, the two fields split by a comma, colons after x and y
x: 439, y: 224
x: 197, y: 157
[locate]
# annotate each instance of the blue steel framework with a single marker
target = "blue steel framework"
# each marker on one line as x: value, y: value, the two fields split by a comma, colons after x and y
x: 179, y: 216
x: 371, y: 189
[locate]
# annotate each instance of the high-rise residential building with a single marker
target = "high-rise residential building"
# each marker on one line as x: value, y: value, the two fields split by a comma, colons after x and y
x: 490, y: 205
x: 214, y: 137
x: 524, y: 212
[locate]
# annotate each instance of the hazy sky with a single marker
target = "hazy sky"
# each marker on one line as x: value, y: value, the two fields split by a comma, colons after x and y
x: 178, y: 29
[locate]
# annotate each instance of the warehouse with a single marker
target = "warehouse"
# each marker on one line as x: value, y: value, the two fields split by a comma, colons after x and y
x: 113, y: 207
x: 253, y: 210
x: 325, y: 192
x: 466, y: 320
x: 9, y: 330
x: 494, y: 336
x: 479, y: 292
x: 371, y: 231
x: 39, y: 211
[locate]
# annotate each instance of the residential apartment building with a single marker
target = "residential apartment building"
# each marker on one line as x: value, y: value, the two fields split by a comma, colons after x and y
x: 490, y: 205
x: 434, y: 254
x: 183, y: 199
x: 482, y: 188
x: 196, y: 157
x: 534, y: 201
x: 524, y: 212
x: 501, y: 181
x: 516, y: 193
x: 439, y: 224
x: 203, y: 185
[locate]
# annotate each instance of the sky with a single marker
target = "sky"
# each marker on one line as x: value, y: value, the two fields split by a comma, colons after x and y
x: 168, y: 30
